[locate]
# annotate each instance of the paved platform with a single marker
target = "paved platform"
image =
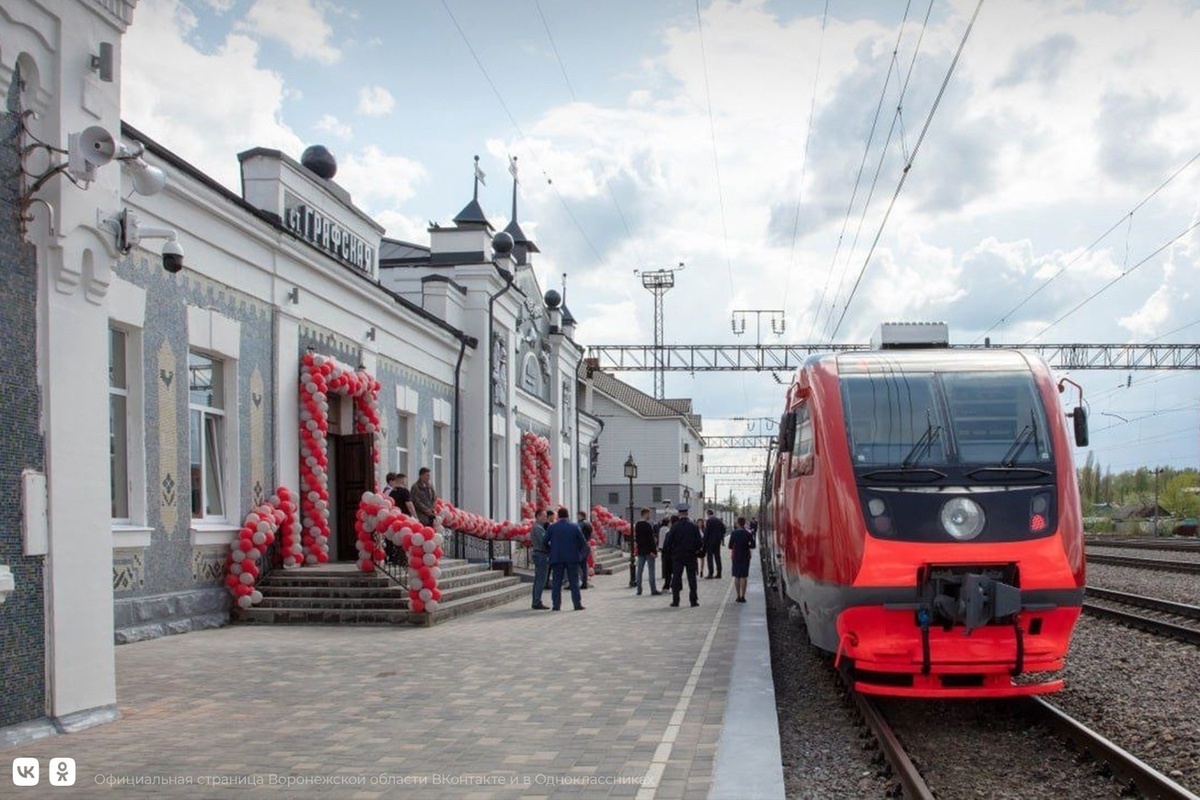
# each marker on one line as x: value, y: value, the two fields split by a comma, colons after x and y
x: 628, y: 698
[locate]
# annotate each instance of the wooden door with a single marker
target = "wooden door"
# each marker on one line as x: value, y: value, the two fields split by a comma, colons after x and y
x: 355, y: 474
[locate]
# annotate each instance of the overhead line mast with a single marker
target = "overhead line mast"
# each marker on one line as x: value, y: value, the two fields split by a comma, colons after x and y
x: 658, y: 282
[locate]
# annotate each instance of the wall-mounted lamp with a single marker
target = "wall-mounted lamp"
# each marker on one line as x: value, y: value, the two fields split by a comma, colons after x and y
x: 293, y: 296
x: 371, y: 334
x: 103, y: 63
x: 86, y: 152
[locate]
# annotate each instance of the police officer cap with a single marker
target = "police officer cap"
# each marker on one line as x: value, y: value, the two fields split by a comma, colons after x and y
x: 682, y: 508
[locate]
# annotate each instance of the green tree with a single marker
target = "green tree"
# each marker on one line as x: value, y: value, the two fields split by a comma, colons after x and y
x: 1179, y: 494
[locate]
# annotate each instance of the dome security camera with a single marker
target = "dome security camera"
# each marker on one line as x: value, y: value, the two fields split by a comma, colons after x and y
x: 172, y: 256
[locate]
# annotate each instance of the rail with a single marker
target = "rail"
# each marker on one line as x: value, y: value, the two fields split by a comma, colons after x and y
x: 1163, y: 627
x: 1123, y: 764
x: 1159, y: 564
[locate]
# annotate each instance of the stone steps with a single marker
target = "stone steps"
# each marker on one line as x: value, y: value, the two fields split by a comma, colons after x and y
x: 340, y: 595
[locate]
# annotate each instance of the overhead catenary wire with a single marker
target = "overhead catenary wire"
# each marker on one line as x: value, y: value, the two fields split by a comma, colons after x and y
x: 1126, y: 216
x: 897, y: 118
x: 812, y: 107
x: 574, y: 98
x: 862, y: 165
x: 908, y: 166
x: 517, y: 126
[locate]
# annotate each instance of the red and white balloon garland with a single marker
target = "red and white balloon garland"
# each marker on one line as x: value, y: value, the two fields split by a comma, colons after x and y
x: 535, y: 473
x: 275, y: 517
x: 320, y: 375
x: 612, y: 526
x: 478, y: 525
x: 377, y: 514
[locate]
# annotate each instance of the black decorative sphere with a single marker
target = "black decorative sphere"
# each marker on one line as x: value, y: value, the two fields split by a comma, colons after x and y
x: 319, y: 160
x: 553, y: 299
x: 503, y: 243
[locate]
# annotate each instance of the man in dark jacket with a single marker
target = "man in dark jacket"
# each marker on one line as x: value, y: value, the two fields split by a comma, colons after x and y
x: 686, y: 546
x: 566, y: 544
x: 647, y: 550
x: 714, y: 539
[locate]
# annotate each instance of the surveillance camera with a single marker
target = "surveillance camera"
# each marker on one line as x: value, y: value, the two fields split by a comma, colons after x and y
x: 172, y: 256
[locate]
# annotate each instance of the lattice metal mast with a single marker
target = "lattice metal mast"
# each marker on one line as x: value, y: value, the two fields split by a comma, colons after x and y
x: 658, y: 282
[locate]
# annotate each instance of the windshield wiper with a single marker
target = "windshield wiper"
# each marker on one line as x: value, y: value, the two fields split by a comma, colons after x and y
x: 904, y: 475
x: 923, y: 445
x: 1028, y: 434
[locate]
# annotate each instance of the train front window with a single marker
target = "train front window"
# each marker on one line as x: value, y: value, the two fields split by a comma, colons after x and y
x: 893, y: 419
x: 913, y: 420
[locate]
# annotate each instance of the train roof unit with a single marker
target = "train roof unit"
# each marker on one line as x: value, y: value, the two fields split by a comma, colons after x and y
x: 910, y: 336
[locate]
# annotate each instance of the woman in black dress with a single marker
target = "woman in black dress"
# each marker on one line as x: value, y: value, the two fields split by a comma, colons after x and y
x: 740, y: 545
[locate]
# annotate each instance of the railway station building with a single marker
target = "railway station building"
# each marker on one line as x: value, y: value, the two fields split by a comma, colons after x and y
x: 152, y: 399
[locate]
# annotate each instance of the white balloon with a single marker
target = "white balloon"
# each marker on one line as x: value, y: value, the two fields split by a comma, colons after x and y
x: 259, y: 537
x: 235, y: 569
x: 416, y: 583
x: 436, y: 572
x: 256, y: 597
x: 289, y: 562
x: 418, y: 539
x: 430, y: 559
x: 311, y: 558
x: 253, y: 553
x: 439, y: 539
x: 429, y: 546
x: 239, y: 556
x: 425, y: 594
x: 244, y: 601
x: 246, y: 578
x: 431, y: 605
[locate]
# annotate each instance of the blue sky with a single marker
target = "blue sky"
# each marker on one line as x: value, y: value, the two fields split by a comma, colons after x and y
x: 654, y: 132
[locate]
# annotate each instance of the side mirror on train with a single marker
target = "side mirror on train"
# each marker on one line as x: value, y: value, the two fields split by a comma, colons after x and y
x: 1079, y: 417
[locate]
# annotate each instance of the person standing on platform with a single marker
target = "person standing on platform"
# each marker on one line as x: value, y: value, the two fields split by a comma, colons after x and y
x: 663, y: 530
x: 541, y: 558
x: 565, y: 542
x: 714, y: 540
x: 424, y: 496
x: 647, y: 550
x: 741, y: 542
x: 686, y: 546
x: 586, y: 528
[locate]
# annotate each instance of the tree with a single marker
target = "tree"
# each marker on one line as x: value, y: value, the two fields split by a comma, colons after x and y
x: 1179, y: 495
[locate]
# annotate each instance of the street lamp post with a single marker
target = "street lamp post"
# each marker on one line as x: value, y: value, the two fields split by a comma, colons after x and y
x: 631, y: 473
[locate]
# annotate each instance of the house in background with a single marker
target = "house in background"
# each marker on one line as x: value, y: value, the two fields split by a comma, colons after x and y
x: 662, y: 436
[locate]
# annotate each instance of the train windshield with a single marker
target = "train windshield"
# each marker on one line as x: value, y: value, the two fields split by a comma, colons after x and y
x: 926, y: 419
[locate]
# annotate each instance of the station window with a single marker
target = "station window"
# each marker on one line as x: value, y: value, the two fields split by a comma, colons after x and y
x: 206, y: 420
x: 614, y: 498
x: 118, y: 422
x: 402, y: 463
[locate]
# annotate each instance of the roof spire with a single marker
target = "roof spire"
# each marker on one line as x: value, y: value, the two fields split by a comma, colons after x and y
x: 512, y: 170
x: 480, y: 177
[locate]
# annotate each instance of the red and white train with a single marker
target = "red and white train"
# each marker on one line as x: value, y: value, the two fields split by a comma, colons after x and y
x: 925, y: 518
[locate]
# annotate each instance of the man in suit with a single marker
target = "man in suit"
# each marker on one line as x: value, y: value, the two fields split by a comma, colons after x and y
x: 714, y: 539
x: 686, y: 546
x: 567, y: 546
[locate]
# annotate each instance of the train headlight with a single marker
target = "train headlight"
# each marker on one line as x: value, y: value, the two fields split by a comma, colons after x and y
x: 962, y: 518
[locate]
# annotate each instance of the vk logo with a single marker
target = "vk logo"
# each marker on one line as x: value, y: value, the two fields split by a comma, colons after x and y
x: 25, y: 771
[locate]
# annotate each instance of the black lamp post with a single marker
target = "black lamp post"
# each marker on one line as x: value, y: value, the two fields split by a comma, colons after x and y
x: 631, y: 473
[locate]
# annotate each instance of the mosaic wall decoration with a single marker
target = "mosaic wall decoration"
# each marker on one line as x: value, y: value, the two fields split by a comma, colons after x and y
x: 208, y: 564
x: 258, y: 438
x: 168, y: 440
x: 129, y: 570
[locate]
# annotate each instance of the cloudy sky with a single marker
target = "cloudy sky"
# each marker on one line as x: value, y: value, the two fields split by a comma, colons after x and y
x: 762, y: 144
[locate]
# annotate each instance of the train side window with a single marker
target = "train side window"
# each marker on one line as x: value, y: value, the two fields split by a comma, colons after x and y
x: 802, y: 445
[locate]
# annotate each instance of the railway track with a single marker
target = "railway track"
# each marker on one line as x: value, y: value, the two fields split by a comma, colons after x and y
x: 1161, y: 564
x: 1177, y: 620
x: 1126, y: 768
x: 1172, y: 545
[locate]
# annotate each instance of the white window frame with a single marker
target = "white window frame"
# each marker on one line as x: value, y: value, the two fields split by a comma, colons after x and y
x: 118, y: 447
x: 438, y: 457
x: 210, y: 417
x: 403, y: 447
x: 127, y: 314
x: 219, y: 337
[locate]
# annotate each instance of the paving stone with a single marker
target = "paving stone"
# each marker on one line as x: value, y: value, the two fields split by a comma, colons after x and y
x: 538, y: 702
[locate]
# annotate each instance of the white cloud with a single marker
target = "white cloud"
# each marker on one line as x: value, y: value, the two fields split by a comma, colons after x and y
x: 186, y: 100
x: 375, y: 101
x: 378, y: 181
x: 332, y: 125
x: 299, y: 24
